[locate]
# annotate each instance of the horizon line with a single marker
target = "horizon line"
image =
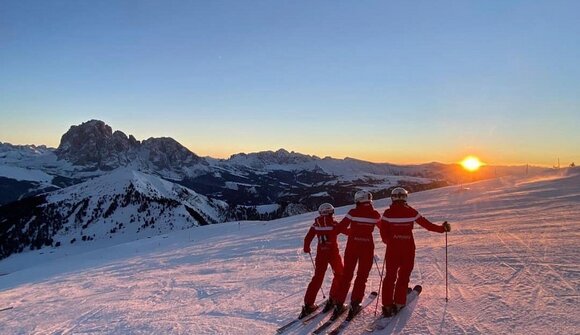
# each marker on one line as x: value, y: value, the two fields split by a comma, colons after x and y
x: 511, y: 164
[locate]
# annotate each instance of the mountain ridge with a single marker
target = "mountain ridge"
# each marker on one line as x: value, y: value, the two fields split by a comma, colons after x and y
x: 255, y: 186
x: 122, y: 202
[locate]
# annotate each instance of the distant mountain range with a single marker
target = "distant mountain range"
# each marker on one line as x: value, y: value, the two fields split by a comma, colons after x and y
x: 99, y: 184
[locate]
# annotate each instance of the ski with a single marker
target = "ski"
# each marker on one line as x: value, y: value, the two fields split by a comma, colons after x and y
x: 313, y: 316
x: 287, y: 326
x: 347, y: 321
x: 6, y: 309
x: 309, y: 317
x: 325, y: 325
x: 382, y: 322
x: 372, y: 296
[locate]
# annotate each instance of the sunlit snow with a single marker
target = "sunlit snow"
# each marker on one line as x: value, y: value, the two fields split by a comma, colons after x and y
x: 513, y: 269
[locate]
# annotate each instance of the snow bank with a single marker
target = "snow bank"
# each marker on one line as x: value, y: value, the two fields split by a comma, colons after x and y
x: 24, y: 174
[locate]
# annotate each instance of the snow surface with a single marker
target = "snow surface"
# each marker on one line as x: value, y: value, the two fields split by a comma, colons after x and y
x: 265, y: 209
x: 105, y: 191
x: 19, y: 173
x: 115, y: 182
x: 513, y: 269
x: 34, y: 158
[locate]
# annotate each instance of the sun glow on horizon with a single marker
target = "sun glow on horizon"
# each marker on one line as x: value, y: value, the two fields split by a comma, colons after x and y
x: 471, y: 163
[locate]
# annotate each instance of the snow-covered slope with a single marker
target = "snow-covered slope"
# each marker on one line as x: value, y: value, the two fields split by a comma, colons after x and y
x: 17, y: 183
x: 21, y: 174
x: 120, y: 206
x: 25, y: 171
x: 513, y: 269
x: 31, y: 157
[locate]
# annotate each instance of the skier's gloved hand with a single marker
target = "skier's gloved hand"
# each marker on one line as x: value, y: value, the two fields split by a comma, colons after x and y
x: 446, y: 226
x: 306, y: 249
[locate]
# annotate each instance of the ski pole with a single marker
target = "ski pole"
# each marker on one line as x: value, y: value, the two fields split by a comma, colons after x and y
x: 314, y: 266
x: 381, y: 282
x: 446, y: 273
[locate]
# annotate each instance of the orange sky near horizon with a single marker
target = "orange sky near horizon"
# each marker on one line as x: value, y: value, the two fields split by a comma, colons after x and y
x: 365, y: 150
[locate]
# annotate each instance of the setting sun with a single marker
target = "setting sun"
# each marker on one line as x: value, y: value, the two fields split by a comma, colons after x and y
x: 471, y: 163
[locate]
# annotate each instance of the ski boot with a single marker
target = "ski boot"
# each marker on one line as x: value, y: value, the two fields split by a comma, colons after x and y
x: 398, y: 308
x: 388, y: 311
x: 353, y: 310
x: 338, y: 310
x: 328, y: 306
x: 307, y: 309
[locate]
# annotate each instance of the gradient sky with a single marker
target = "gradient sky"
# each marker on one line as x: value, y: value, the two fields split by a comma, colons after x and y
x: 385, y: 81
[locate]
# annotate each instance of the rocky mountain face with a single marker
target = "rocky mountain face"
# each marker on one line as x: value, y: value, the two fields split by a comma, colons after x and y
x: 94, y: 146
x: 167, y: 154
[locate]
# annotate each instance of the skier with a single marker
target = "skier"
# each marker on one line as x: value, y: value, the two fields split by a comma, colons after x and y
x: 396, y: 232
x: 326, y: 253
x: 359, y: 225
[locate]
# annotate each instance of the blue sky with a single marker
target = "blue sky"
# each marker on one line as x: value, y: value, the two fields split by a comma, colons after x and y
x: 385, y: 81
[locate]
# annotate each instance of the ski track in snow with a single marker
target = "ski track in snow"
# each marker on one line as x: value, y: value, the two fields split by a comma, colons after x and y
x: 513, y: 269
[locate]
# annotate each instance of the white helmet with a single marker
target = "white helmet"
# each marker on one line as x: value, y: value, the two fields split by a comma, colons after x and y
x: 399, y: 193
x: 325, y: 209
x: 363, y: 196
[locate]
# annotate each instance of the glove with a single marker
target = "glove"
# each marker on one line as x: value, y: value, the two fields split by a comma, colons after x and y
x: 306, y: 249
x: 446, y: 226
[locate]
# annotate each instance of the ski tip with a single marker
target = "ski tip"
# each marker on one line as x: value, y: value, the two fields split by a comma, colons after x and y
x: 374, y: 293
x: 418, y: 288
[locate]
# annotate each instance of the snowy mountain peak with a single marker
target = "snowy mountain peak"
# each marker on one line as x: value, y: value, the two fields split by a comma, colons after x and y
x: 31, y: 149
x: 119, y: 206
x: 119, y: 180
x: 94, y: 146
x: 265, y: 158
x: 167, y: 153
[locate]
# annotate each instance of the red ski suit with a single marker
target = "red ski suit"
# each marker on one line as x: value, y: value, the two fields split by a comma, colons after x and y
x: 360, y: 223
x: 326, y: 253
x: 396, y: 229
